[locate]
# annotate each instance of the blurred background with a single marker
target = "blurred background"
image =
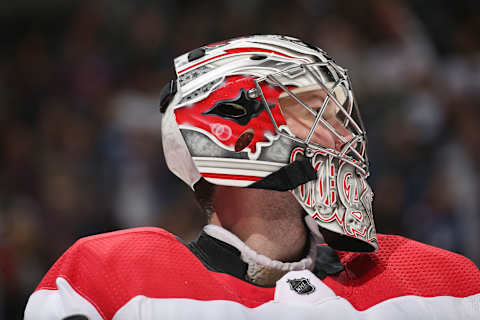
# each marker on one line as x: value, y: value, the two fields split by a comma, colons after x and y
x: 80, y: 147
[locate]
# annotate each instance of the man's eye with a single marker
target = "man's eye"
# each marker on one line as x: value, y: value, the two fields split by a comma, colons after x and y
x: 231, y: 109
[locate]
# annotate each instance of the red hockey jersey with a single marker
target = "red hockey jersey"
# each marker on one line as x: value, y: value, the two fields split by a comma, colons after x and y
x: 147, y: 273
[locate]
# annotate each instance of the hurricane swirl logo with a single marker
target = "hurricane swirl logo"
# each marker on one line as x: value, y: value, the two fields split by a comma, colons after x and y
x: 221, y: 131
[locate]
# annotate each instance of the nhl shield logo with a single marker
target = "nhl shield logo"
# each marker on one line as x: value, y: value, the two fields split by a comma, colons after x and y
x: 301, y: 286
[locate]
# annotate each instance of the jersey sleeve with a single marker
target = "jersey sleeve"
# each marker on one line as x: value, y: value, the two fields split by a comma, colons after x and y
x: 77, y: 284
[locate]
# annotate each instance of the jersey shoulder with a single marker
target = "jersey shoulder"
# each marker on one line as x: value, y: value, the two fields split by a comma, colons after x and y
x: 131, y: 246
x: 94, y: 254
x: 404, y: 267
x: 418, y: 263
x: 139, y: 237
x: 108, y: 269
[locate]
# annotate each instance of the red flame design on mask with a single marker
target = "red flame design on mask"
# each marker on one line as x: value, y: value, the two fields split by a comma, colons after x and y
x: 228, y: 131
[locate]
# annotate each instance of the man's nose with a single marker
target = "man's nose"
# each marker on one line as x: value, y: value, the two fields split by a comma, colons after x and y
x: 334, y: 138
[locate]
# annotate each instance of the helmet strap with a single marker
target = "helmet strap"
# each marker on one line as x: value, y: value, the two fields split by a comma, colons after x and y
x: 288, y: 177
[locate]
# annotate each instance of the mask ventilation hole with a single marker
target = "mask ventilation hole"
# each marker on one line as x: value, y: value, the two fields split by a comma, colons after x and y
x: 196, y: 54
x: 231, y: 109
x: 244, y: 140
x: 258, y: 57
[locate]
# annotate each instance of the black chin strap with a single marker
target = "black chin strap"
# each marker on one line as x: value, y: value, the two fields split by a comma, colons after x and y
x: 288, y: 177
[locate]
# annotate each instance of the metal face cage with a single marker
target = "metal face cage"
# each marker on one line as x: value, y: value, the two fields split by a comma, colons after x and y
x: 319, y: 107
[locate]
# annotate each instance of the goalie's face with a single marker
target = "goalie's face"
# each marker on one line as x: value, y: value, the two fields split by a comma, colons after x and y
x: 300, y: 120
x: 317, y: 105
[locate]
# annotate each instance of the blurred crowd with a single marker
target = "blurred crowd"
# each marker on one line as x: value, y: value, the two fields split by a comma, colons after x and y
x: 80, y: 143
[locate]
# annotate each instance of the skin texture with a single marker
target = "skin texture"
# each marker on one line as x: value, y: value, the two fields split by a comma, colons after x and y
x: 270, y: 222
x: 300, y: 120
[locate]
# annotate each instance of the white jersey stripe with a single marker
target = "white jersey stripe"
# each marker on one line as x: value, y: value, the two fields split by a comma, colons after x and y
x: 322, y: 304
x: 407, y: 307
x: 59, y: 304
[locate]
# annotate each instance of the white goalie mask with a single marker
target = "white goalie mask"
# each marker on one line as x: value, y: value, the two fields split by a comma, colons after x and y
x: 276, y: 113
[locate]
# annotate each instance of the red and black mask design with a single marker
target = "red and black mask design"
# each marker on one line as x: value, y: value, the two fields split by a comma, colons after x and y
x: 228, y: 113
x: 241, y: 109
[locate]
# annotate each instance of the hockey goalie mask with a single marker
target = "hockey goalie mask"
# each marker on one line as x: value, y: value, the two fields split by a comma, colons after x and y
x: 273, y: 112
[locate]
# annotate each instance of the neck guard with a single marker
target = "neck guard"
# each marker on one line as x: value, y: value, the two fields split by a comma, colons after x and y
x: 222, y: 251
